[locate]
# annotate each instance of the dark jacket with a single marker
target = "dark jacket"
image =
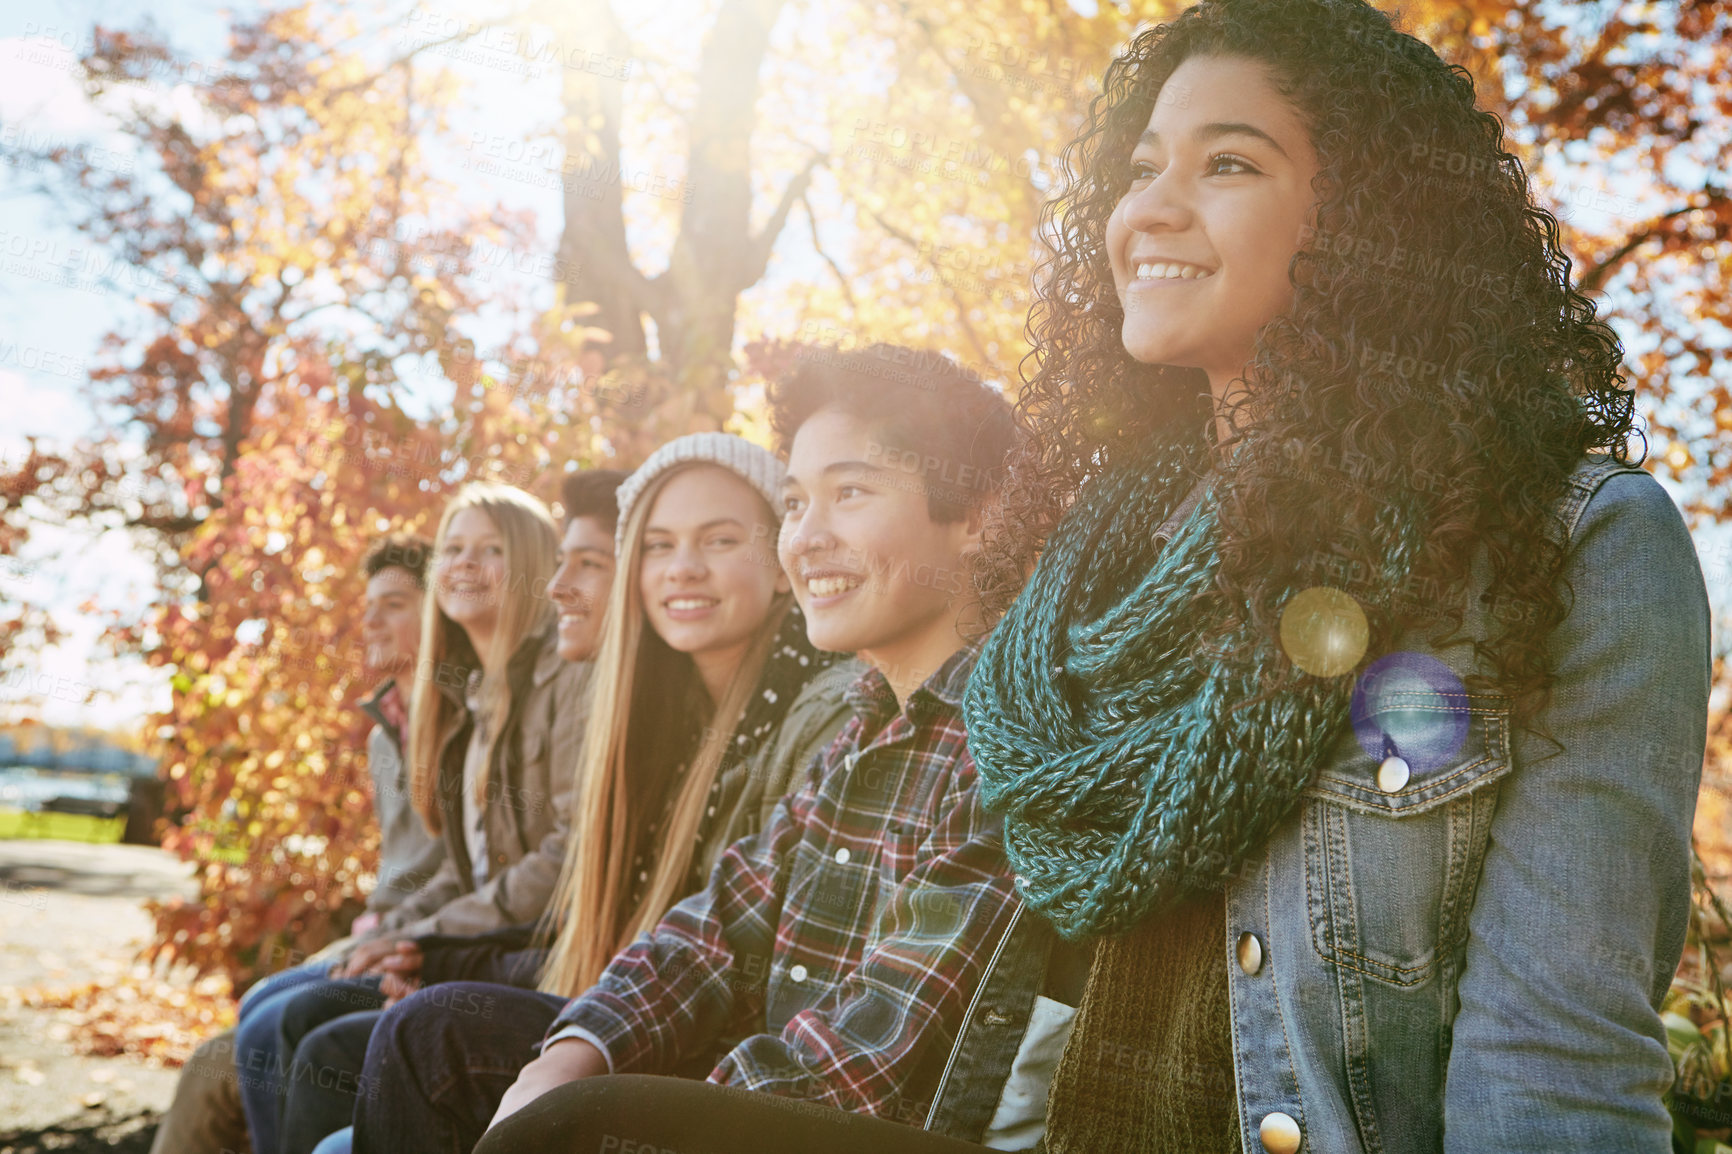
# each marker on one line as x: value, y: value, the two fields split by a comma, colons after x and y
x: 506, y: 957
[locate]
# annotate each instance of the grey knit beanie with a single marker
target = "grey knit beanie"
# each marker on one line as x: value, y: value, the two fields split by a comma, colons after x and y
x: 758, y: 467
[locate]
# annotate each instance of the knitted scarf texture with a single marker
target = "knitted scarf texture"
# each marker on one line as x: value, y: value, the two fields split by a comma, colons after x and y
x: 1131, y: 769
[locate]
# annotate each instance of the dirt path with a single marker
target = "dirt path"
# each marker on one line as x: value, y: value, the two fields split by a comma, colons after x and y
x: 69, y: 913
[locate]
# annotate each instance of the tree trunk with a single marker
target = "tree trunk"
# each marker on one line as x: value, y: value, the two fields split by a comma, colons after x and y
x: 715, y: 255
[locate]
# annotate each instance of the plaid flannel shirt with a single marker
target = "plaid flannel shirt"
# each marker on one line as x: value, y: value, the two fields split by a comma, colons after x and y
x: 843, y: 941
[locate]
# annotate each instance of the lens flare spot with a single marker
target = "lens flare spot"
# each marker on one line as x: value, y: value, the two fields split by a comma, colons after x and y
x: 1410, y: 706
x: 1323, y: 631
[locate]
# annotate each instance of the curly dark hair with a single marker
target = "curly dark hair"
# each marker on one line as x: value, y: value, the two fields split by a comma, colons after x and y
x: 938, y: 421
x: 1466, y: 390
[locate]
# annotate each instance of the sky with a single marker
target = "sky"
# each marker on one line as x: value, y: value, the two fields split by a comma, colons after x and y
x: 48, y: 334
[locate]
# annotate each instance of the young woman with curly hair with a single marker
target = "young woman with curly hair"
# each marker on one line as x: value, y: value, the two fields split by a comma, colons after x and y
x: 1348, y: 719
x: 1347, y: 714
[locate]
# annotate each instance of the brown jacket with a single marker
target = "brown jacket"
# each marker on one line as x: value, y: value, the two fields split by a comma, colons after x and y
x: 527, y: 808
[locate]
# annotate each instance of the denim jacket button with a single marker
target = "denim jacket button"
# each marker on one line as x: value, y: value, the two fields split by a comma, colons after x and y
x: 797, y: 973
x: 1250, y: 952
x: 1392, y: 774
x: 1279, y: 1133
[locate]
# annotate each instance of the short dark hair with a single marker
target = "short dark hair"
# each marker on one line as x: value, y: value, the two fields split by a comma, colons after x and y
x: 928, y: 410
x: 409, y: 552
x: 591, y: 493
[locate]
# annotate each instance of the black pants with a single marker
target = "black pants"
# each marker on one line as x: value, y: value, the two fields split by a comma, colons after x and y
x: 640, y: 1114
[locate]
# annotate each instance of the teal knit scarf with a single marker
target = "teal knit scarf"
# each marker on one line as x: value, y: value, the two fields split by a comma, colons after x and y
x: 1125, y: 775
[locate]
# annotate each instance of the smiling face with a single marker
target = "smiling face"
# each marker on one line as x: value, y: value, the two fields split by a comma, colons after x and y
x: 874, y: 573
x: 1218, y: 200
x: 706, y: 580
x: 391, y: 621
x: 580, y: 585
x: 469, y: 573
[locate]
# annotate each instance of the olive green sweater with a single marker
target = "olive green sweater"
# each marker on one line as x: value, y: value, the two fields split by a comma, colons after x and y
x: 1148, y: 1067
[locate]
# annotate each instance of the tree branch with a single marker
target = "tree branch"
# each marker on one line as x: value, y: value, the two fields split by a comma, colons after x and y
x: 408, y: 57
x: 967, y: 325
x: 713, y: 248
x: 1591, y: 64
x: 1596, y: 276
x: 818, y: 247
x: 758, y: 252
x: 592, y: 244
x: 992, y: 111
x: 961, y: 308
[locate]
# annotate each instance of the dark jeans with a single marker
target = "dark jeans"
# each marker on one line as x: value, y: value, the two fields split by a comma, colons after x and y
x: 261, y: 1066
x: 328, y: 1038
x: 267, y: 1036
x: 641, y: 1114
x: 440, y: 1061
x: 330, y: 1051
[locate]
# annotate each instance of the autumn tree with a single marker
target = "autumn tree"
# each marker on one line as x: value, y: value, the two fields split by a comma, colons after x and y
x: 837, y: 172
x: 24, y: 624
x: 302, y: 260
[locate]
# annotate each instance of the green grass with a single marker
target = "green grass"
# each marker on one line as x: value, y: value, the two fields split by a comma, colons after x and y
x: 17, y: 823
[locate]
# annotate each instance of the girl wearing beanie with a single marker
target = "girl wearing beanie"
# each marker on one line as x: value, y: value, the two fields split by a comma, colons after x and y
x: 702, y: 654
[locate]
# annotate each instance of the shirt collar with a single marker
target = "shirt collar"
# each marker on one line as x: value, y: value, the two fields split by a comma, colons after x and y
x: 388, y: 704
x: 380, y: 691
x: 872, y: 699
x: 394, y: 705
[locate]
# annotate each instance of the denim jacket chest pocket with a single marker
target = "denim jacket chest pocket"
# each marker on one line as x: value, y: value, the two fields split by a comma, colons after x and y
x: 1393, y: 848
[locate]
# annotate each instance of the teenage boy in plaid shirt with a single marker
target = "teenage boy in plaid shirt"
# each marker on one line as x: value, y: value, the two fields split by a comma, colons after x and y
x: 830, y: 957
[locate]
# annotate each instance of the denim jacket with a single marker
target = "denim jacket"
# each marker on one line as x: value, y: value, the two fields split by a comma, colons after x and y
x: 1473, y: 961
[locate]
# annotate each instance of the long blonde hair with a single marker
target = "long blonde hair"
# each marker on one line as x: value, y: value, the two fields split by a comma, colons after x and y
x: 641, y: 686
x: 531, y: 550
